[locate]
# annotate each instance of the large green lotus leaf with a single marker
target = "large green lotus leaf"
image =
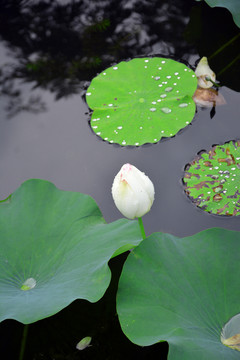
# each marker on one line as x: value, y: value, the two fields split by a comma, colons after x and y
x: 182, y: 291
x: 232, y: 5
x: 212, y: 180
x: 142, y: 100
x: 55, y: 246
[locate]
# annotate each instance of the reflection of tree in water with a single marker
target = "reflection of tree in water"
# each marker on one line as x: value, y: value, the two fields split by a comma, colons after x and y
x: 62, y: 44
x: 16, y: 103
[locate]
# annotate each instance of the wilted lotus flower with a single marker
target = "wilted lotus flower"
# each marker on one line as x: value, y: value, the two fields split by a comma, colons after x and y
x: 133, y: 192
x: 208, y: 97
x: 203, y: 73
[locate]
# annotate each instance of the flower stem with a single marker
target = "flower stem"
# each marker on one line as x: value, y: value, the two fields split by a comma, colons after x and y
x: 23, y: 342
x: 223, y: 46
x: 229, y: 65
x: 213, y: 82
x: 140, y: 222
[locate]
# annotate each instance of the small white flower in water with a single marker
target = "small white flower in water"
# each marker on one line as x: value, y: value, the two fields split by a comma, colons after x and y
x: 132, y: 191
x: 84, y: 343
x: 203, y: 73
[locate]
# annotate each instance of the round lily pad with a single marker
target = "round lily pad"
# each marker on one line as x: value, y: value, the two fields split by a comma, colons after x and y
x: 212, y: 180
x: 142, y: 100
x: 183, y: 291
x: 55, y: 246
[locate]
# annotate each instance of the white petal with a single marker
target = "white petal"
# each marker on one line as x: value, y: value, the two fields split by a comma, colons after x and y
x: 202, y: 72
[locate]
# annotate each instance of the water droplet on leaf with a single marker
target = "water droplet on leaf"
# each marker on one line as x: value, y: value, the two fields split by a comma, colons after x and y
x: 29, y: 284
x: 166, y: 110
x: 230, y: 335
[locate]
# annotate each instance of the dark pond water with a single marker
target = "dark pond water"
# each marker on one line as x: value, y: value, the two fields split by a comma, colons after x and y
x: 49, y: 52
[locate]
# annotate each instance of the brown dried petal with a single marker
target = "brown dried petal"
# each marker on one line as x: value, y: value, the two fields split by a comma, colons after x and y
x: 208, y: 97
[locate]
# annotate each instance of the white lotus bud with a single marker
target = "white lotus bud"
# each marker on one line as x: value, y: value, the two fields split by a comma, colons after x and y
x: 203, y: 73
x: 132, y: 191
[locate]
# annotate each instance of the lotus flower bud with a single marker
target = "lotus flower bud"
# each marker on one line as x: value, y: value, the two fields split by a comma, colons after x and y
x: 203, y: 72
x: 133, y: 192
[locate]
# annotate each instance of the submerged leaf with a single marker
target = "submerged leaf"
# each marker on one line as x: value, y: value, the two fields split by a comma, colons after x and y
x: 142, y: 100
x: 212, y: 180
x: 55, y: 246
x: 182, y: 290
